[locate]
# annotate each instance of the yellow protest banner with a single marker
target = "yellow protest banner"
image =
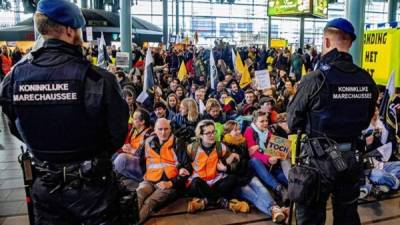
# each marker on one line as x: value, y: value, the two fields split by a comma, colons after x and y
x: 278, y: 146
x: 279, y: 43
x: 381, y: 54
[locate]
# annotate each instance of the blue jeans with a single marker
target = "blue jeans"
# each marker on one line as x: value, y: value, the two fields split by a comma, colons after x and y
x: 128, y: 166
x: 258, y: 195
x: 270, y: 178
x: 388, y: 176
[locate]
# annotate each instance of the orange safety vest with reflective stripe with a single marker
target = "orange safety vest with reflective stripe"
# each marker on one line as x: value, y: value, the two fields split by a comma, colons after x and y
x: 159, y: 163
x: 6, y: 64
x: 205, y: 166
x: 136, y: 140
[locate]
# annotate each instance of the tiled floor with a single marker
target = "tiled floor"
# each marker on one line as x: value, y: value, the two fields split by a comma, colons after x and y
x: 13, y: 208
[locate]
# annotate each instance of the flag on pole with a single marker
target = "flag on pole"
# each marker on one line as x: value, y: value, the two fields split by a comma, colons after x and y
x: 389, y: 93
x: 213, y: 72
x: 196, y: 38
x: 102, y: 57
x: 148, y: 81
x: 234, y: 59
x: 239, y: 63
x: 245, y: 79
x: 182, y: 71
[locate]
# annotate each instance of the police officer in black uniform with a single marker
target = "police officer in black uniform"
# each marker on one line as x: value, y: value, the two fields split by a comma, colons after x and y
x: 71, y: 115
x: 335, y: 103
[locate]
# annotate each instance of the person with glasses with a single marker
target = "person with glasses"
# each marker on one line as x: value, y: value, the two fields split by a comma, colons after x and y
x: 210, y: 183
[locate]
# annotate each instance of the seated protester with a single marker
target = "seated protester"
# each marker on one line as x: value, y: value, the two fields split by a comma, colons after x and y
x: 199, y: 97
x: 161, y: 111
x: 209, y: 183
x: 249, y: 187
x: 236, y: 92
x: 166, y: 167
x: 266, y: 167
x: 185, y: 122
x: 266, y: 105
x: 382, y: 172
x: 248, y: 103
x: 122, y: 78
x: 130, y: 98
x: 228, y: 105
x: 214, y: 113
x: 127, y: 162
x: 180, y: 92
x: 173, y: 103
x: 217, y: 93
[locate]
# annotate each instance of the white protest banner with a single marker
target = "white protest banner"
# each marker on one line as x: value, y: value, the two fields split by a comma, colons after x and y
x: 89, y: 34
x: 122, y: 60
x: 262, y: 79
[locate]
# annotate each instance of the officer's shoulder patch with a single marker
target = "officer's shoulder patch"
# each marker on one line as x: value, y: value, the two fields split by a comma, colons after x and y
x: 325, y: 67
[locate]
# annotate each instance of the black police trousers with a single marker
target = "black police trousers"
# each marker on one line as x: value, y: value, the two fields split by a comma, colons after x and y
x: 345, y: 191
x: 87, y: 204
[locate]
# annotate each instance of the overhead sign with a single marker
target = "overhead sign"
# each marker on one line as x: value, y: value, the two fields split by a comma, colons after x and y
x: 278, y: 146
x: 317, y: 8
x: 122, y: 60
x: 381, y: 53
x: 279, y: 43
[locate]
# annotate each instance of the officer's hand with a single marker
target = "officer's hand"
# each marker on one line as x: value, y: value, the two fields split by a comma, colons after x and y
x: 273, y: 160
x: 164, y: 185
x: 183, y: 172
x: 127, y: 148
x: 232, y: 157
x: 221, y: 167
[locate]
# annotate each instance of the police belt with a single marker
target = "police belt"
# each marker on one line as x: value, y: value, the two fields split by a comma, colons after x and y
x: 70, y: 174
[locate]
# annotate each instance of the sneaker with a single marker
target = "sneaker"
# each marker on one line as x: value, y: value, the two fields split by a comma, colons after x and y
x: 196, y: 204
x: 239, y: 206
x: 363, y: 192
x: 277, y: 214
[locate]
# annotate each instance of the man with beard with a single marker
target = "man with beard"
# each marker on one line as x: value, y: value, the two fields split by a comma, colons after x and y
x: 71, y: 115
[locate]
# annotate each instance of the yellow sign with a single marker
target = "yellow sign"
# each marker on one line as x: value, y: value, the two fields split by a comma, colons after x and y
x: 381, y: 54
x: 279, y: 43
x: 278, y: 146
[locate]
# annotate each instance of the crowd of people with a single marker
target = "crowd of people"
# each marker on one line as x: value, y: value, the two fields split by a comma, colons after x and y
x: 211, y: 143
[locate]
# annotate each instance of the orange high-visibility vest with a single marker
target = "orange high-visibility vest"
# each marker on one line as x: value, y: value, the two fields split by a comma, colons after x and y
x: 159, y: 163
x: 6, y: 64
x: 205, y: 166
x: 136, y: 140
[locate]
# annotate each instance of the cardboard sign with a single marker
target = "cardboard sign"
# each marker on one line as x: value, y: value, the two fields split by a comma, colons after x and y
x: 262, y: 79
x: 122, y: 59
x: 278, y: 146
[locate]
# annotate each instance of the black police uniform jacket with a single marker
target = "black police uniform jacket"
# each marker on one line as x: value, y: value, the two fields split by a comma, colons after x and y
x: 63, y: 108
x: 337, y: 100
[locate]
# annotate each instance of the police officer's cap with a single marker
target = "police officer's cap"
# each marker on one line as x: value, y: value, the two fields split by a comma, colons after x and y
x: 63, y: 12
x: 343, y: 25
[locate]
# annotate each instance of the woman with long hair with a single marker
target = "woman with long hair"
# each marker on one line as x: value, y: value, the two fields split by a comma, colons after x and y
x: 186, y: 120
x: 173, y: 103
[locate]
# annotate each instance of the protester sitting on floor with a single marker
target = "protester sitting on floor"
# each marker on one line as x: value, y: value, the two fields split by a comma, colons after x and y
x: 161, y: 111
x: 214, y: 112
x: 384, y: 175
x: 266, y: 167
x: 185, y: 122
x: 127, y: 162
x: 249, y: 187
x: 166, y: 168
x: 210, y: 184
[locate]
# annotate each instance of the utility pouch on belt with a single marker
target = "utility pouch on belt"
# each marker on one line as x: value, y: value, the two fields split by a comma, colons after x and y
x: 304, y: 185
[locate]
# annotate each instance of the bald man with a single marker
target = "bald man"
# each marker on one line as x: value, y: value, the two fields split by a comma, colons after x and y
x: 166, y: 167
